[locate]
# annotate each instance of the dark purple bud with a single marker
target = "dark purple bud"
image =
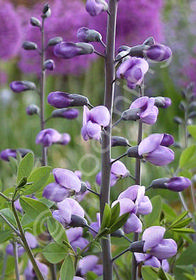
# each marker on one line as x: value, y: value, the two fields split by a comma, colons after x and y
x: 23, y: 152
x: 192, y: 106
x: 167, y: 140
x: 182, y: 106
x: 32, y: 109
x: 78, y: 221
x: 85, y: 34
x: 7, y: 153
x: 178, y: 120
x: 131, y: 114
x: 162, y: 102
x: 60, y: 99
x: 35, y: 22
x: 149, y: 41
x: 69, y: 50
x: 29, y: 46
x: 46, y: 11
x: 137, y: 246
x: 133, y: 152
x: 119, y: 141
x: 49, y: 65
x: 54, y: 41
x: 19, y: 86
x: 85, y: 48
x: 192, y: 115
x: 158, y: 52
x: 95, y: 7
x: 178, y: 184
x: 65, y: 113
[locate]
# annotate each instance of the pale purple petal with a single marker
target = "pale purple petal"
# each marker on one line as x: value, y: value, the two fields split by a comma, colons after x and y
x: 160, y: 156
x: 133, y: 224
x: 153, y: 261
x: 131, y: 193
x: 67, y: 179
x: 167, y: 248
x: 100, y: 115
x: 165, y: 265
x: 84, y: 133
x: 86, y: 115
x: 150, y: 115
x: 126, y: 205
x: 119, y: 169
x: 150, y: 143
x: 87, y: 264
x: 140, y: 103
x: 63, y: 216
x: 113, y: 179
x: 74, y: 233
x: 178, y: 184
x: 80, y: 243
x: 93, y: 130
x: 73, y: 205
x: 141, y: 257
x: 145, y: 206
x: 98, y: 269
x: 125, y: 65
x: 98, y: 178
x: 55, y: 192
x: 152, y: 236
x: 31, y: 240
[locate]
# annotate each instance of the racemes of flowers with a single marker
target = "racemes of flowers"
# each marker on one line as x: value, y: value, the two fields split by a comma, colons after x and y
x: 68, y: 223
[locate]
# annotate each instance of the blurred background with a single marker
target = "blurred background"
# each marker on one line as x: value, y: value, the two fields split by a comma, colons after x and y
x: 169, y: 22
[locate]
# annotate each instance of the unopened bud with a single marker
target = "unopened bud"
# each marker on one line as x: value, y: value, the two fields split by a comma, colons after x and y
x: 85, y: 34
x: 85, y: 48
x: 133, y: 152
x: 131, y: 114
x: 162, y: 102
x: 159, y: 183
x: 54, y: 41
x: 149, y: 41
x: 60, y: 99
x: 32, y: 109
x: 137, y: 246
x: 49, y: 65
x: 65, y: 113
x: 178, y: 120
x: 192, y: 115
x: 182, y: 106
x: 20, y: 86
x: 78, y: 221
x: 35, y: 22
x: 118, y: 233
x: 119, y: 141
x: 29, y: 46
x: 46, y: 11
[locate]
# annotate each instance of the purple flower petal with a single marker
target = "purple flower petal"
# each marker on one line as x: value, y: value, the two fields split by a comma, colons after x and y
x: 74, y: 233
x: 152, y: 236
x: 31, y: 240
x: 67, y: 179
x: 86, y: 115
x: 178, y: 184
x: 100, y: 115
x: 93, y: 130
x: 5, y: 154
x: 71, y: 205
x: 153, y: 261
x: 165, y: 265
x: 140, y: 103
x: 166, y: 248
x: 150, y: 143
x: 131, y: 193
x: 80, y: 243
x: 59, y: 99
x: 145, y: 206
x: 133, y: 224
x: 168, y: 140
x: 141, y: 257
x: 126, y: 206
x: 119, y: 169
x: 63, y: 216
x: 87, y: 264
x: 55, y: 192
x: 161, y: 156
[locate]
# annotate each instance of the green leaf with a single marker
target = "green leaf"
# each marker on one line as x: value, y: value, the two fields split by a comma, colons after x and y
x: 115, y: 212
x: 106, y: 217
x: 5, y: 235
x: 7, y: 213
x: 188, y: 158
x: 9, y: 193
x: 188, y: 256
x: 25, y: 167
x: 162, y: 275
x: 154, y: 217
x: 183, y: 230
x: 67, y: 271
x: 189, y: 276
x: 38, y: 177
x: 183, y: 223
x: 119, y: 222
x: 13, y: 164
x: 148, y: 273
x: 54, y: 253
x: 178, y: 219
x: 192, y: 130
x: 57, y: 231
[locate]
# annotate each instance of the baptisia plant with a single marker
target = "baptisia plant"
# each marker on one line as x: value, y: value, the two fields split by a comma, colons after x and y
x: 72, y: 244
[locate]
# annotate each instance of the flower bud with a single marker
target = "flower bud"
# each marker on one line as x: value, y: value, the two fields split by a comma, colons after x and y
x: 137, y: 246
x: 19, y: 86
x: 49, y: 65
x: 192, y: 115
x: 162, y: 102
x: 78, y: 221
x: 123, y: 54
x: 158, y: 52
x: 159, y: 183
x: 131, y: 114
x: 27, y: 45
x: 119, y: 141
x: 54, y: 41
x: 118, y: 233
x: 123, y: 48
x: 133, y: 152
x: 68, y: 50
x: 60, y: 99
x: 192, y: 106
x: 65, y: 113
x: 32, y: 109
x: 85, y: 48
x: 46, y: 12
x: 176, y: 184
x: 178, y: 120
x: 95, y: 7
x: 182, y: 106
x: 35, y: 22
x: 149, y: 41
x: 85, y: 34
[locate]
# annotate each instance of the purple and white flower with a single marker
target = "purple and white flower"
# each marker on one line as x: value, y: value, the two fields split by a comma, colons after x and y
x: 50, y: 136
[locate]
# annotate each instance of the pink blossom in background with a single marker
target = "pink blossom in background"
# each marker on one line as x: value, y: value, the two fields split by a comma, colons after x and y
x: 10, y: 31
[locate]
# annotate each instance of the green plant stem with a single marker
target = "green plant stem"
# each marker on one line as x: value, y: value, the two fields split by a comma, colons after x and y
x: 119, y: 255
x: 10, y: 225
x: 26, y: 246
x: 4, y: 267
x: 16, y: 261
x: 106, y: 134
x: 137, y: 182
x: 42, y: 91
x: 4, y: 196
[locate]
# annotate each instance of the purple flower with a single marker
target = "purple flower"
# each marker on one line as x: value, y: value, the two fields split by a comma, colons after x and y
x: 49, y: 65
x: 93, y: 120
x: 67, y: 208
x: 158, y: 52
x: 178, y: 184
x: 133, y: 70
x: 10, y: 31
x: 152, y: 261
x: 30, y: 274
x: 69, y: 114
x: 95, y: 7
x: 118, y: 171
x: 60, y: 99
x: 68, y: 49
x: 155, y: 149
x: 96, y: 225
x: 85, y: 34
x: 148, y: 111
x: 75, y: 238
x: 5, y: 154
x: 65, y: 183
x: 32, y: 109
x: 20, y: 86
x: 155, y: 245
x: 89, y: 263
x: 162, y: 102
x: 50, y: 136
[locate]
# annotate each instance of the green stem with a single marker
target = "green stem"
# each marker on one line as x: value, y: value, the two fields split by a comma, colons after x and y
x: 16, y: 260
x: 26, y: 246
x: 10, y: 225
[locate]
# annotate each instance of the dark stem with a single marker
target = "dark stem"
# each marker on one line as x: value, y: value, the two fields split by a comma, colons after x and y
x: 137, y: 182
x: 117, y: 122
x: 103, y: 44
x: 53, y: 271
x: 93, y: 192
x: 4, y: 267
x: 124, y: 155
x: 5, y: 197
x: 119, y: 255
x: 42, y: 92
x: 106, y: 134
x: 26, y: 246
x: 16, y: 260
x: 98, y: 53
x: 10, y: 225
